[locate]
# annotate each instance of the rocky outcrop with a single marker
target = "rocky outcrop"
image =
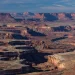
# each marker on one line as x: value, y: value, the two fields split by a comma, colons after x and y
x: 62, y: 28
x: 46, y: 29
x: 20, y: 17
x: 62, y: 60
x: 45, y: 16
x: 13, y: 68
x: 6, y: 18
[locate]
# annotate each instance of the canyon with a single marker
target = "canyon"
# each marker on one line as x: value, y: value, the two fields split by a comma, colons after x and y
x: 30, y: 43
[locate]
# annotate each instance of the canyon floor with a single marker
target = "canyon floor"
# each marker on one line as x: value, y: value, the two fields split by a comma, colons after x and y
x: 24, y: 48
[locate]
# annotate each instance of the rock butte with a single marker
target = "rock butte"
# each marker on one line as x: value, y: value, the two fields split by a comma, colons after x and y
x: 62, y: 60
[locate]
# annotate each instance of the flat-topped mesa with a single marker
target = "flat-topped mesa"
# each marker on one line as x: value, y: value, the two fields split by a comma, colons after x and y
x: 8, y: 55
x: 6, y: 18
x: 13, y: 67
x: 13, y: 34
x: 23, y: 46
x: 63, y: 60
x: 5, y: 35
x: 15, y: 54
x: 44, y: 16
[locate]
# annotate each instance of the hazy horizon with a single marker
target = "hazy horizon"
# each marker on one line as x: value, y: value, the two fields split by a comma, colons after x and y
x: 37, y: 6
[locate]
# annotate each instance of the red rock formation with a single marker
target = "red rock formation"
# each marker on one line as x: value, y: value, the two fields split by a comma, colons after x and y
x: 39, y: 16
x: 45, y: 16
x: 25, y: 13
x: 61, y: 16
x: 6, y: 17
x: 73, y: 15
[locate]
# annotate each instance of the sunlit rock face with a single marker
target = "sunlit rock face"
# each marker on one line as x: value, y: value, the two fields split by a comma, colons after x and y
x: 61, y: 66
x: 73, y: 15
x: 56, y: 62
x: 61, y: 16
x: 24, y: 32
x: 62, y: 60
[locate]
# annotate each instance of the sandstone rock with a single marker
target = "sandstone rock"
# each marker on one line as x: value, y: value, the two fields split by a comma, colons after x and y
x: 63, y: 60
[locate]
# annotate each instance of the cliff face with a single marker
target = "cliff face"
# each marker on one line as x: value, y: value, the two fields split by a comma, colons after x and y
x: 61, y: 60
x: 19, y: 17
x: 45, y: 16
x: 6, y: 17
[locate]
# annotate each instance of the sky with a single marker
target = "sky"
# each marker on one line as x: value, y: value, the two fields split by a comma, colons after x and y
x: 37, y: 6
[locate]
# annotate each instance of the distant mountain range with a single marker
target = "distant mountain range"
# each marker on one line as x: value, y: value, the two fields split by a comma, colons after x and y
x: 16, y: 17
